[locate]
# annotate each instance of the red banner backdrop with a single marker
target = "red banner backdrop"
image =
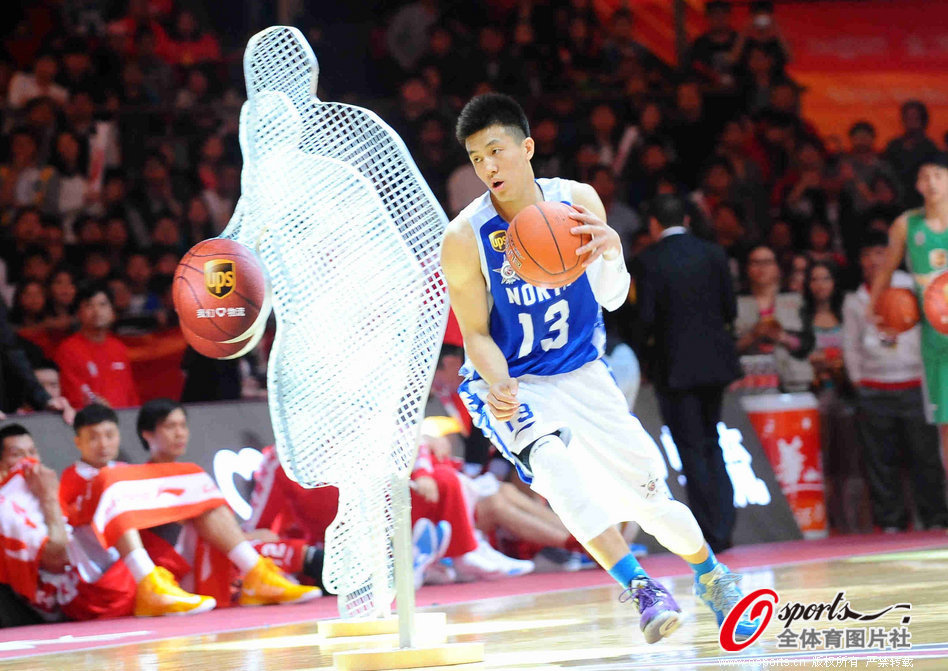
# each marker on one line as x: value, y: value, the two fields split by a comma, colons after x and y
x: 861, y: 60
x: 856, y: 59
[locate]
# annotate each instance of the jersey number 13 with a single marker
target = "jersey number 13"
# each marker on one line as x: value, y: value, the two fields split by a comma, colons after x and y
x: 558, y: 330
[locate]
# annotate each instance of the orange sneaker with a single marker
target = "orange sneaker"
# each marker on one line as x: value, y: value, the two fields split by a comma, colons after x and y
x: 159, y: 594
x: 266, y: 584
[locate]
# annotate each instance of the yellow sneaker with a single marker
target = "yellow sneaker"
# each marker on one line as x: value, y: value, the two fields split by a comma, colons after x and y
x: 266, y: 584
x: 159, y: 594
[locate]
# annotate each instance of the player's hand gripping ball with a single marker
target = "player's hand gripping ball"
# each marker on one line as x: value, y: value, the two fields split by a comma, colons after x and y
x: 897, y: 310
x: 541, y: 248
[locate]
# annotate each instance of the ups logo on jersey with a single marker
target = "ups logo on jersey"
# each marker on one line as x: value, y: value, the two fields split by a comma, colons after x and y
x: 498, y: 240
x: 220, y: 277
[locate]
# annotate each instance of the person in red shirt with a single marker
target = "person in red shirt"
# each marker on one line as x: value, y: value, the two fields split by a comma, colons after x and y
x: 108, y: 499
x: 140, y: 14
x: 93, y: 364
x: 162, y: 428
x: 189, y: 43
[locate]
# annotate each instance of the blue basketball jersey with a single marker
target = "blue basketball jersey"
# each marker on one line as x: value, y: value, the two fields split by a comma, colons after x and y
x: 540, y: 331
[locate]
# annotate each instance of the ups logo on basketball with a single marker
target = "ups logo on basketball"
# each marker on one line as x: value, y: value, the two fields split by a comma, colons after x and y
x: 498, y: 240
x: 220, y: 277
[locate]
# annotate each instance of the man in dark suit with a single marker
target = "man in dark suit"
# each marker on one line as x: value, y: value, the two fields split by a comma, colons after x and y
x: 686, y: 303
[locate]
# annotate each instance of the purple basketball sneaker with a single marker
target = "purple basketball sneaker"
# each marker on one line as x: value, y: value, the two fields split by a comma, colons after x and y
x: 660, y: 614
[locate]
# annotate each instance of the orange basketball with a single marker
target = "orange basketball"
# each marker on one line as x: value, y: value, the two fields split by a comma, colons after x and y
x: 935, y: 303
x: 220, y: 291
x: 898, y: 309
x: 540, y: 247
x: 223, y: 350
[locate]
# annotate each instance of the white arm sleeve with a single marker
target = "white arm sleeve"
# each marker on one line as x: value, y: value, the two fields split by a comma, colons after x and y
x: 609, y: 281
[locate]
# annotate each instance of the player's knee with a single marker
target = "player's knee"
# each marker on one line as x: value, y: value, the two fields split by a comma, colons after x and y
x: 559, y: 476
x: 672, y: 524
x: 546, y: 451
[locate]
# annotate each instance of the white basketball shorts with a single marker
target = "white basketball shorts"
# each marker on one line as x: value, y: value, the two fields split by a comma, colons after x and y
x: 584, y: 404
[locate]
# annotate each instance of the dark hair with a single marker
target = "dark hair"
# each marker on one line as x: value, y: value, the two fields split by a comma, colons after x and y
x: 449, y: 350
x: 45, y: 364
x: 24, y: 130
x: 654, y: 142
x: 35, y: 250
x: 596, y: 169
x: 92, y: 414
x: 158, y: 251
x: 23, y: 211
x: 63, y: 268
x: 873, y: 238
x: 668, y: 210
x: 938, y: 158
x: 157, y: 156
x: 919, y: 106
x: 144, y: 31
x: 731, y: 205
x: 862, y: 125
x: 83, y: 221
x: 88, y: 290
x: 114, y: 173
x: 762, y: 6
x: 82, y: 156
x: 153, y: 413
x: 11, y: 431
x: 17, y: 313
x: 836, y: 299
x: 491, y: 109
x: 718, y: 162
x: 159, y: 283
x: 75, y: 45
x: 717, y: 5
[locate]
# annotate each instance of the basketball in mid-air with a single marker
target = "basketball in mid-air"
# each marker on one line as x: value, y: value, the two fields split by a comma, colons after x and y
x: 935, y: 303
x: 540, y: 247
x: 897, y: 310
x: 220, y: 292
x: 223, y: 350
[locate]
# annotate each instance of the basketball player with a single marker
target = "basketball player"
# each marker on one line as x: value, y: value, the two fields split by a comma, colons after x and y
x: 920, y: 236
x: 536, y: 383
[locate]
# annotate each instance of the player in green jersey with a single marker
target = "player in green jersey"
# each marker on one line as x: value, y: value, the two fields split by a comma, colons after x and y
x: 920, y: 237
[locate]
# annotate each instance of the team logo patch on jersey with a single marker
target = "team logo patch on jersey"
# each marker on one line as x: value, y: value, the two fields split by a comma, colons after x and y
x: 220, y: 277
x: 507, y: 274
x: 938, y: 258
x: 919, y: 238
x: 498, y: 240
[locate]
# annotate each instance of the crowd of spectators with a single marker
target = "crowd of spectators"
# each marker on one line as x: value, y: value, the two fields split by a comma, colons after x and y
x: 120, y: 152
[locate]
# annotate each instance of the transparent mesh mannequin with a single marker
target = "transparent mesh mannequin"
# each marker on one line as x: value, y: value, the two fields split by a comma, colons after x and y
x: 349, y: 234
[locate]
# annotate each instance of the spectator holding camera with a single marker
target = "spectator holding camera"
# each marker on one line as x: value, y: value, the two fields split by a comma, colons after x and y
x: 762, y: 33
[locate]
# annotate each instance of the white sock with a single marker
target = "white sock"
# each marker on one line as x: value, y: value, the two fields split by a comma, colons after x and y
x: 243, y: 556
x: 139, y: 564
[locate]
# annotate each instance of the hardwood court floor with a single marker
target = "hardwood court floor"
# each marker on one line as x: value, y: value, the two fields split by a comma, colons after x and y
x: 589, y: 629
